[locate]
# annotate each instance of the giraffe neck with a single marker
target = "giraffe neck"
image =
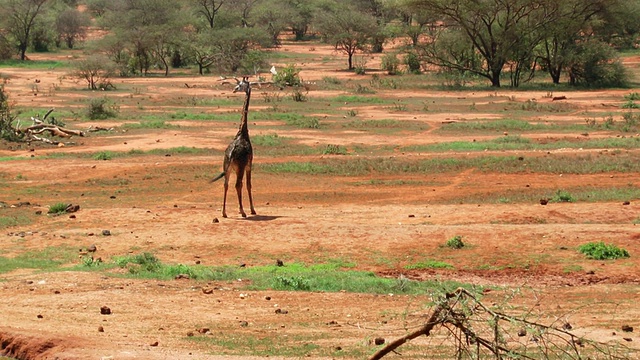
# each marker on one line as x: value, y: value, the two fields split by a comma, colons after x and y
x: 244, y: 130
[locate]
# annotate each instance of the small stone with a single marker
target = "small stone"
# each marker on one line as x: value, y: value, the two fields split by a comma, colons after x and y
x: 544, y: 201
x: 182, y: 276
x: 279, y: 263
x: 39, y: 212
x: 92, y: 248
x: 411, y: 216
x: 207, y: 291
x: 106, y: 233
x: 215, y: 220
x: 627, y: 339
x: 203, y: 330
x: 567, y: 326
x: 267, y: 298
x: 112, y: 197
x: 155, y: 343
x: 522, y: 332
x: 626, y: 203
x: 378, y: 341
x: 72, y: 216
x: 105, y: 310
x: 100, y: 329
x: 190, y: 334
x: 627, y: 328
x: 281, y: 311
x: 40, y: 316
x: 244, y: 323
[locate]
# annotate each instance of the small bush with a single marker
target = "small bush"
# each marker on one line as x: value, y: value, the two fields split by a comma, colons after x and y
x: 331, y: 80
x: 102, y: 108
x: 103, y: 155
x: 455, y: 242
x: 298, y: 95
x: 562, y: 196
x: 390, y: 64
x: 58, y: 208
x: 412, y: 62
x: 632, y: 96
x: 291, y: 283
x: 138, y: 263
x: 288, y: 76
x: 335, y: 150
x: 602, y: 251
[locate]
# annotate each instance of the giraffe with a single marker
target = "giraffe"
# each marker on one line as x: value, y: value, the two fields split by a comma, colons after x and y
x: 238, y: 156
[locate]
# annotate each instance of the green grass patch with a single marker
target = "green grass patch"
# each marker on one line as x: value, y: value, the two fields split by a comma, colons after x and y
x: 180, y: 150
x: 150, y: 124
x: 602, y: 251
x: 429, y: 264
x: 267, y: 140
x: 58, y: 208
x: 557, y: 164
x: 34, y: 64
x: 14, y: 220
x: 332, y: 276
x: 455, y: 242
x: 506, y: 125
x: 51, y: 258
x: 358, y: 99
x: 295, y: 119
x: 104, y: 155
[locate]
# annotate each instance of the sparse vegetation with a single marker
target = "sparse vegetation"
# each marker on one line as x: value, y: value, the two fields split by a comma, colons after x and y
x: 455, y: 242
x: 58, y: 208
x: 602, y: 251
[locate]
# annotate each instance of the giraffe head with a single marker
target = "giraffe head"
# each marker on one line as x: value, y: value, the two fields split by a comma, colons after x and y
x: 243, y: 85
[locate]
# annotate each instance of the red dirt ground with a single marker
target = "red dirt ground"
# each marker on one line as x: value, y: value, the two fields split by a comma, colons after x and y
x: 381, y: 228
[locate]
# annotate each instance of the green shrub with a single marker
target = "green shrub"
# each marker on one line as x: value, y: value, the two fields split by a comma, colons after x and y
x: 58, y: 208
x: 455, y: 242
x: 288, y: 76
x: 412, y: 62
x: 562, y: 196
x: 102, y: 108
x: 139, y: 263
x: 602, y: 251
x: 291, y: 283
x: 103, y: 155
x: 335, y: 150
x: 390, y: 64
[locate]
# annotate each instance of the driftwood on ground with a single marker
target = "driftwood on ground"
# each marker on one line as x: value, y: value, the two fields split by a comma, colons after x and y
x: 40, y: 127
x: 474, y: 331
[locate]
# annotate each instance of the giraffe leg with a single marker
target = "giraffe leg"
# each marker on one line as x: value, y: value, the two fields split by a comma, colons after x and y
x: 253, y: 211
x: 224, y: 202
x: 239, y: 176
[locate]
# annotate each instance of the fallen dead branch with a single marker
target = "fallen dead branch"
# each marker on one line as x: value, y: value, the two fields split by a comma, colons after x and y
x: 40, y: 127
x: 476, y: 331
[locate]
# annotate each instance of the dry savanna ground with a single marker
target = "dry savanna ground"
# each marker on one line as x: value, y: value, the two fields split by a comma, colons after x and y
x: 371, y: 175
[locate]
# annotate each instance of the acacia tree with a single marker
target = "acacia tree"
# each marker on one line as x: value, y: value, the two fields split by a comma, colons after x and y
x: 148, y: 28
x: 563, y: 38
x: 209, y: 9
x: 274, y: 16
x: 19, y: 20
x: 494, y: 28
x: 346, y: 28
x: 71, y: 26
x: 95, y: 70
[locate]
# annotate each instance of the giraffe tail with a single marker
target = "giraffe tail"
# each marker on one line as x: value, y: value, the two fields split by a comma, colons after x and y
x: 217, y: 177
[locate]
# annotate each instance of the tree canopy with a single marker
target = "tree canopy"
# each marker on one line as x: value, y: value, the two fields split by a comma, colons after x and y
x: 497, y: 40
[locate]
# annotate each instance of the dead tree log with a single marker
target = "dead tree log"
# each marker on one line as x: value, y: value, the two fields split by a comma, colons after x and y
x: 39, y: 127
